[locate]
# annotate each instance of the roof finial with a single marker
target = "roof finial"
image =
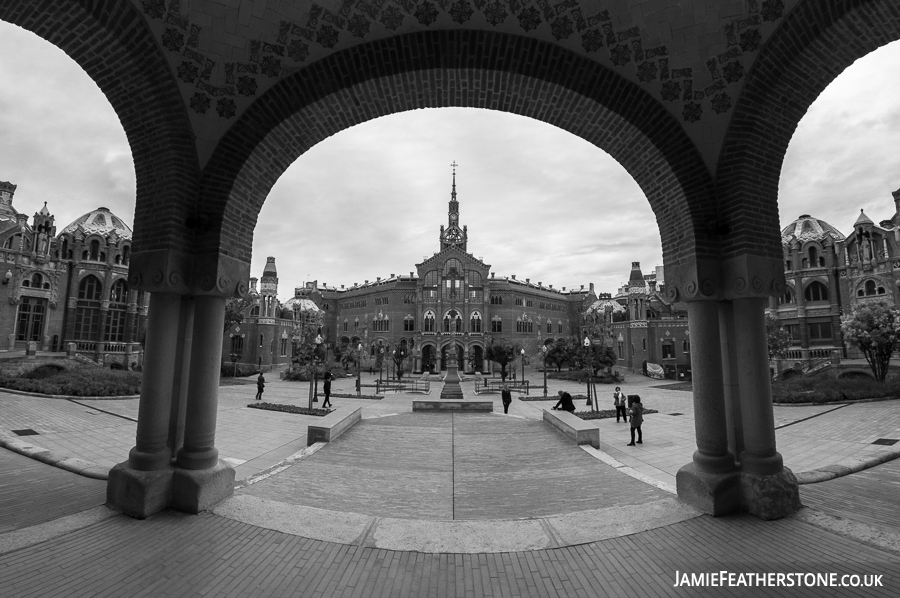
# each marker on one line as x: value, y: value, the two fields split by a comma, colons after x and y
x: 453, y: 191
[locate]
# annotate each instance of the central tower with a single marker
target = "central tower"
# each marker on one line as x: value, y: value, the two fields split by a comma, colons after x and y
x: 453, y: 236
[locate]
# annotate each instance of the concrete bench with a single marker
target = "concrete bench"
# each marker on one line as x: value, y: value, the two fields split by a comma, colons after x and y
x: 333, y: 425
x: 479, y: 406
x: 574, y: 427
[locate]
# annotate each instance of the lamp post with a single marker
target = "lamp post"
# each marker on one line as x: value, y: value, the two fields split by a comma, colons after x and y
x: 589, y: 358
x: 380, y: 363
x: 358, y: 372
x: 523, y: 367
x: 544, y: 364
x: 234, y: 359
x: 314, y: 387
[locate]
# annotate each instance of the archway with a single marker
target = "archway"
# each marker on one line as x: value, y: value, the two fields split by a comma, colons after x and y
x: 428, y: 358
x: 449, y: 349
x: 477, y: 364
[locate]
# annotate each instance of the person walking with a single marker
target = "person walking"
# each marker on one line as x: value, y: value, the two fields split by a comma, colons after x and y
x: 565, y: 402
x: 637, y: 418
x: 260, y: 386
x: 506, y: 397
x: 326, y: 388
x: 620, y: 401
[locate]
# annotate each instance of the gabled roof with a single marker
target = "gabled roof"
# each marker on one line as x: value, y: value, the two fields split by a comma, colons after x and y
x: 452, y: 251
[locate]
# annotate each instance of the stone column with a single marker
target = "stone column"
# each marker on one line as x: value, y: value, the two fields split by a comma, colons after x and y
x: 768, y: 489
x: 142, y: 485
x: 200, y: 479
x: 734, y: 421
x: 710, y: 482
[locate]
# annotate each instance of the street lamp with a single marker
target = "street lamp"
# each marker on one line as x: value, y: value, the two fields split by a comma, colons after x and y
x: 589, y: 358
x: 314, y: 387
x: 234, y: 359
x: 544, y: 364
x: 380, y: 363
x: 523, y: 367
x: 359, y: 349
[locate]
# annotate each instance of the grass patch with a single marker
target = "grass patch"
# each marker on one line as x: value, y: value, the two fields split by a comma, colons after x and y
x: 827, y: 388
x: 606, y: 413
x: 290, y: 409
x: 80, y: 382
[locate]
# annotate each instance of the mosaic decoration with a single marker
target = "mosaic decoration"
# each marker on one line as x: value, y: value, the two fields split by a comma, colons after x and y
x: 563, y: 20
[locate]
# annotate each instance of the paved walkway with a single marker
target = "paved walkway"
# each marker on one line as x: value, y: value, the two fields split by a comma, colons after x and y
x: 522, y: 485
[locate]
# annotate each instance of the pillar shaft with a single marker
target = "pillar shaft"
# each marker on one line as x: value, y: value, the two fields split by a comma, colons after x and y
x: 199, y: 450
x: 759, y: 456
x: 709, y: 401
x: 732, y: 390
x: 151, y: 451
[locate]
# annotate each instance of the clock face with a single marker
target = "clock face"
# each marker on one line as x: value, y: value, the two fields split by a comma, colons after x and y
x: 454, y: 218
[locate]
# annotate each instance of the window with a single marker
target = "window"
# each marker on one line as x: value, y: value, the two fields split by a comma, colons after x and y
x: 686, y: 346
x: 475, y: 322
x: 813, y: 257
x: 407, y: 299
x: 345, y: 324
x: 621, y: 350
x: 115, y: 317
x: 452, y: 321
x: 559, y: 327
x: 496, y: 324
x: 254, y: 311
x: 409, y: 324
x: 816, y: 291
x: 356, y: 324
x: 31, y: 319
x: 261, y: 339
x: 632, y: 349
x: 788, y: 296
x: 549, y: 327
x: 428, y: 324
x: 36, y: 280
x: 284, y: 347
x: 87, y: 309
x: 819, y: 331
x: 668, y: 350
x: 644, y: 344
x: 94, y: 253
x: 496, y: 300
x: 520, y: 302
x: 237, y: 345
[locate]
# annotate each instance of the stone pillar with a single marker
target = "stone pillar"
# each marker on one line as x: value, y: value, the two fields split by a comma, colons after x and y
x: 734, y: 422
x: 710, y: 482
x: 142, y: 485
x: 200, y: 479
x: 768, y: 489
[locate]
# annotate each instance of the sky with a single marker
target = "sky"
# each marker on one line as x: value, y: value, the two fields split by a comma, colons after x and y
x: 370, y: 201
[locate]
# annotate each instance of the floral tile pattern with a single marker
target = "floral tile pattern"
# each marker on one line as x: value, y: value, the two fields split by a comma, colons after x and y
x: 563, y: 20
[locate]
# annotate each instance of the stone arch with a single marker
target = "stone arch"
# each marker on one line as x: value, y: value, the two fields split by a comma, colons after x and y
x: 815, y: 42
x: 458, y: 68
x: 116, y: 49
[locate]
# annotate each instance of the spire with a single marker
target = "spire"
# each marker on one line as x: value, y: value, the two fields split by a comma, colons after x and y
x: 453, y: 191
x: 453, y: 235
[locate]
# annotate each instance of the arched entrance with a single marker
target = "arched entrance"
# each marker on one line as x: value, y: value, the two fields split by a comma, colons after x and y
x: 477, y: 364
x: 449, y: 349
x: 428, y: 359
x: 705, y: 142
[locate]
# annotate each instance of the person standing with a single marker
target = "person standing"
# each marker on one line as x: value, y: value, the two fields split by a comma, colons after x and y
x: 506, y: 397
x: 620, y: 401
x: 565, y: 402
x: 326, y: 388
x: 260, y: 386
x: 637, y: 418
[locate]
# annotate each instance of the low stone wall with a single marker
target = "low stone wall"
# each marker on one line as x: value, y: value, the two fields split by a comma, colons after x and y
x: 333, y: 425
x: 574, y: 427
x: 443, y: 405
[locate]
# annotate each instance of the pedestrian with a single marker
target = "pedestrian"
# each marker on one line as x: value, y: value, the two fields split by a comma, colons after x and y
x: 620, y: 401
x: 507, y: 398
x: 565, y: 402
x: 326, y: 388
x: 260, y: 386
x: 637, y: 418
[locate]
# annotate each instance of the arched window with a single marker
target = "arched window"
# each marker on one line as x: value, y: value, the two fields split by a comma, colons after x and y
x: 37, y: 281
x: 118, y: 307
x: 870, y: 287
x: 686, y: 346
x: 788, y: 296
x: 87, y: 309
x: 475, y: 322
x: 237, y: 345
x: 13, y: 241
x: 813, y: 257
x: 452, y: 321
x: 644, y: 343
x: 31, y: 319
x: 94, y: 253
x: 254, y: 311
x: 816, y: 291
x: 428, y: 324
x: 549, y: 327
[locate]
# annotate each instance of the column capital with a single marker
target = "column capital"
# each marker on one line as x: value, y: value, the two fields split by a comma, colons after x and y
x: 176, y: 272
x: 736, y: 277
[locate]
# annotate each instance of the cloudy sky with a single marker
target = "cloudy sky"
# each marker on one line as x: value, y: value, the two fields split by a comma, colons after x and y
x: 369, y: 201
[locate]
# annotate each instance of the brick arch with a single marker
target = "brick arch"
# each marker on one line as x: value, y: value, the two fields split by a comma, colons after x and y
x: 111, y: 42
x: 466, y: 69
x: 817, y: 40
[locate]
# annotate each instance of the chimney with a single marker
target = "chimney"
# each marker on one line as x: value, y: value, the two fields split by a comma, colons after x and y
x: 564, y: 288
x: 378, y: 279
x: 528, y: 280
x: 367, y: 282
x: 392, y: 274
x: 582, y: 287
x: 342, y: 286
x: 540, y: 284
x: 412, y: 275
x: 513, y: 276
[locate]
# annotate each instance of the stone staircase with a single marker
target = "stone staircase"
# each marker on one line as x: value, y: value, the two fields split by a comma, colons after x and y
x: 452, y: 391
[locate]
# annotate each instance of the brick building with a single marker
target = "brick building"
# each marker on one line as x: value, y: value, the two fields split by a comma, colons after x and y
x: 69, y: 287
x: 452, y: 301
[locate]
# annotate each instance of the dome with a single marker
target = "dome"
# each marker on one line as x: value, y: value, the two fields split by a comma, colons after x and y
x: 806, y: 228
x: 100, y: 222
x: 302, y: 305
x: 603, y: 306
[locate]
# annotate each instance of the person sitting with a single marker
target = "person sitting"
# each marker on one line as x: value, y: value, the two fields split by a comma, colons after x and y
x: 565, y: 402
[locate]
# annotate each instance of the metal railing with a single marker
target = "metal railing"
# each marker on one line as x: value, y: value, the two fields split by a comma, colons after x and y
x: 423, y: 386
x: 485, y: 386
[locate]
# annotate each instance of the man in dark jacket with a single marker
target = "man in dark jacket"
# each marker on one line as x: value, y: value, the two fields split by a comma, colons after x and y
x: 507, y: 398
x: 565, y: 402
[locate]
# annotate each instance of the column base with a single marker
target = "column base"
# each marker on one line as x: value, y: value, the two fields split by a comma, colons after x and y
x: 138, y: 494
x: 196, y: 490
x: 713, y: 493
x: 770, y: 496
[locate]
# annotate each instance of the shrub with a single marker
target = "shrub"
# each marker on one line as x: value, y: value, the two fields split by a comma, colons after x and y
x: 243, y: 370
x: 44, y: 371
x: 80, y: 383
x: 581, y: 375
x: 290, y: 409
x: 828, y: 389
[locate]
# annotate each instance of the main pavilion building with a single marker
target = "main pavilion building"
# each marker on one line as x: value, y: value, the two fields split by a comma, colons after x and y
x: 451, y: 302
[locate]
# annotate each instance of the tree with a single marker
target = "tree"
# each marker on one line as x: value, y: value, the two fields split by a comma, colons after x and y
x: 594, y: 357
x: 502, y: 352
x: 778, y: 336
x: 875, y: 330
x: 234, y: 310
x: 399, y: 355
x: 559, y: 353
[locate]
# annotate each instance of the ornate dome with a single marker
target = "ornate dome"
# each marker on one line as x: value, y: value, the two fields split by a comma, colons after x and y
x: 806, y: 228
x: 302, y: 305
x: 99, y: 222
x: 603, y: 306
